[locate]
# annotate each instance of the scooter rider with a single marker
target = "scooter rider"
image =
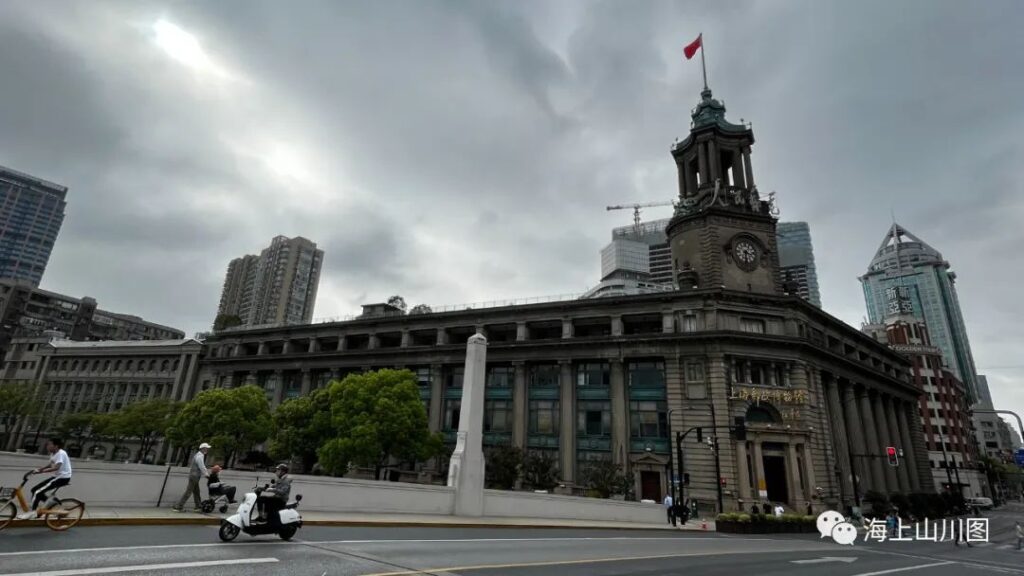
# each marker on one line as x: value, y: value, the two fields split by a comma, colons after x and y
x: 273, y: 499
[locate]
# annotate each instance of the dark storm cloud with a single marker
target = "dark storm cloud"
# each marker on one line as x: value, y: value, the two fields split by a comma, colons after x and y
x: 457, y: 151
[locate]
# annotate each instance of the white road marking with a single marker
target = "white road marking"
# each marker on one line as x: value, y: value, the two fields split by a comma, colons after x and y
x: 906, y: 569
x: 143, y: 567
x: 846, y: 559
x: 303, y: 542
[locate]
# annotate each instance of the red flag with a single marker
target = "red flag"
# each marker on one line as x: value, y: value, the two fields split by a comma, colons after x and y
x: 692, y: 47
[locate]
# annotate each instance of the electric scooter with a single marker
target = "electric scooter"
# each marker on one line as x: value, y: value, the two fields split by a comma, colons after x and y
x: 242, y: 520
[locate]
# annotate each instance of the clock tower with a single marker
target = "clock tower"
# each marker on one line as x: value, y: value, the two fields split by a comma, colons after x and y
x: 723, y: 232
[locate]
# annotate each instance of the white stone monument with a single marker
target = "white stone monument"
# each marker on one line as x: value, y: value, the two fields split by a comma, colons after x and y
x: 466, y: 469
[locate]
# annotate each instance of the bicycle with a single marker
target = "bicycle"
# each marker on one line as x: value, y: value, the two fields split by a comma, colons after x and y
x: 59, y: 514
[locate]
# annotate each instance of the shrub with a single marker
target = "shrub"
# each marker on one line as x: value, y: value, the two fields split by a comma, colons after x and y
x: 919, y: 504
x: 879, y: 502
x: 744, y: 517
x: 900, y: 501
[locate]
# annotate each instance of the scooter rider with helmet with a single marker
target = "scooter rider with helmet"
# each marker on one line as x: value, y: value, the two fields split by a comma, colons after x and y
x: 273, y: 499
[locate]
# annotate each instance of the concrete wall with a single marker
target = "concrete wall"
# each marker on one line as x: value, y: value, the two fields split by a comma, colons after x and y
x: 528, y: 505
x: 138, y: 485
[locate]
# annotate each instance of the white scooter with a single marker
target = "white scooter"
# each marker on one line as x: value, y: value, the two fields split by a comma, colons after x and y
x: 242, y: 520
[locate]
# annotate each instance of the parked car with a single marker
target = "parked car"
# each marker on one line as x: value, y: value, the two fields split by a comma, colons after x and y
x: 980, y: 501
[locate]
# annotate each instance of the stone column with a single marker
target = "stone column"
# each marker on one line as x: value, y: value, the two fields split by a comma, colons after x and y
x: 909, y: 453
x: 278, y: 387
x: 519, y: 405
x: 342, y: 344
x: 620, y: 423
x: 808, y: 468
x: 262, y: 348
x: 668, y: 322
x: 713, y: 162
x: 702, y: 163
x: 617, y: 325
x: 737, y: 169
x: 797, y: 497
x: 287, y: 347
x: 238, y: 349
x: 374, y: 342
x: 882, y: 422
x: 888, y: 404
x: 466, y: 469
x: 314, y: 346
x: 307, y: 382
x: 522, y: 332
x: 436, y: 397
x: 839, y: 438
x: 566, y: 422
x: 871, y: 456
x: 855, y: 435
x: 758, y: 469
x: 567, y: 331
x: 744, y: 471
x: 250, y: 379
x: 442, y: 336
x: 406, y: 338
x: 748, y: 170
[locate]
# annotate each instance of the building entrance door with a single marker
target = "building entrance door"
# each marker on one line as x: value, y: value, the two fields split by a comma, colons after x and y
x: 650, y: 486
x: 775, y: 478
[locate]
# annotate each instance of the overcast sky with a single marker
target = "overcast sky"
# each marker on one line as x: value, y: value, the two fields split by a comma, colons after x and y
x: 455, y: 152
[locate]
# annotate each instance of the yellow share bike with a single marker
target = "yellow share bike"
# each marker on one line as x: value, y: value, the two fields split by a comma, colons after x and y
x: 59, y: 513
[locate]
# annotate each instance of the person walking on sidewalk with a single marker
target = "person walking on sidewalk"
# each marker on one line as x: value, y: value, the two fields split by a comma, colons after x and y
x: 1020, y: 534
x: 670, y: 508
x: 196, y: 472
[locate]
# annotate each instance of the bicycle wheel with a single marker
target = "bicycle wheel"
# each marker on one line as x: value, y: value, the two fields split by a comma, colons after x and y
x: 7, y: 513
x: 65, y: 514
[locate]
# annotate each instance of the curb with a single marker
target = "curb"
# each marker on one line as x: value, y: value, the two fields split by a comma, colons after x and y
x: 208, y: 521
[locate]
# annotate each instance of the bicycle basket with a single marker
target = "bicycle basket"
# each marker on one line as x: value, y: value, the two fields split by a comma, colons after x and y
x: 6, y: 493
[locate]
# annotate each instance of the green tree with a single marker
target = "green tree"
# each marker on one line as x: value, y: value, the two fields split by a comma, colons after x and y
x: 78, y: 428
x: 605, y: 478
x: 225, y: 321
x: 502, y: 467
x: 420, y: 309
x: 376, y: 416
x: 108, y: 427
x: 540, y: 470
x: 17, y: 400
x: 146, y: 421
x: 300, y: 426
x: 397, y: 301
x: 230, y: 419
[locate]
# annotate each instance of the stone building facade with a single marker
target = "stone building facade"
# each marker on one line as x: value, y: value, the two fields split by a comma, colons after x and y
x: 98, y: 378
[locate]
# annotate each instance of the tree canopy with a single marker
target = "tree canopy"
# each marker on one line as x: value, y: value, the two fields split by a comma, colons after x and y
x: 225, y: 321
x: 374, y: 416
x: 17, y: 399
x: 397, y: 301
x: 300, y: 426
x: 146, y: 421
x: 230, y: 419
x: 502, y: 466
x: 420, y: 309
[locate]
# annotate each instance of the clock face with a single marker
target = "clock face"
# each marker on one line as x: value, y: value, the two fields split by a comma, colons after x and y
x: 746, y: 254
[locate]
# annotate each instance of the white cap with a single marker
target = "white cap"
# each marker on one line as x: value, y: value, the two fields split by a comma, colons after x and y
x: 204, y: 445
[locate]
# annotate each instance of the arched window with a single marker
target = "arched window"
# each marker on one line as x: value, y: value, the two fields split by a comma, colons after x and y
x: 74, y: 365
x: 95, y: 365
x: 164, y: 365
x: 117, y: 366
x: 152, y: 365
x: 763, y: 415
x: 129, y: 366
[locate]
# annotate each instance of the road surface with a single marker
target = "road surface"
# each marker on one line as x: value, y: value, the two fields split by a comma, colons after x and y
x: 364, y: 551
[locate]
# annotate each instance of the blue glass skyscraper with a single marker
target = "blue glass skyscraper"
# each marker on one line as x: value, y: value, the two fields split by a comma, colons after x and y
x: 31, y: 212
x: 905, y: 260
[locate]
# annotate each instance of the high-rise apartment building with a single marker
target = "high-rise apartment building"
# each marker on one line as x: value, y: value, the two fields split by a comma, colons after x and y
x: 27, y: 311
x: 277, y: 287
x: 905, y: 260
x: 31, y: 212
x: 796, y: 260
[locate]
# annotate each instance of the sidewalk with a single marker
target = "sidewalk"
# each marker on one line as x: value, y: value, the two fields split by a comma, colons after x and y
x: 165, y: 517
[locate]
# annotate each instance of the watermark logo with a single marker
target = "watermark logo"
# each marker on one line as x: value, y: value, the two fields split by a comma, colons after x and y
x: 832, y: 524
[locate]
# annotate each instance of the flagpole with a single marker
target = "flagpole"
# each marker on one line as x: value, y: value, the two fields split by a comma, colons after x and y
x: 703, y: 67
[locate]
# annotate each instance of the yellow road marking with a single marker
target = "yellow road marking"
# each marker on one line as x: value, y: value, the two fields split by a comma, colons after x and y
x: 566, y: 562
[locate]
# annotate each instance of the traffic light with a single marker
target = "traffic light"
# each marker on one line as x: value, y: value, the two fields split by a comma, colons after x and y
x: 739, y: 428
x: 894, y: 459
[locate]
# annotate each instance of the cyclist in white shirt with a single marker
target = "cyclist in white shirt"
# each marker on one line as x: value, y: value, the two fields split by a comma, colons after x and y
x: 59, y: 463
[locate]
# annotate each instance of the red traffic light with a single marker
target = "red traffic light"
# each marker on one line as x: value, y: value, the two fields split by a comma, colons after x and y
x: 894, y: 460
x: 891, y: 451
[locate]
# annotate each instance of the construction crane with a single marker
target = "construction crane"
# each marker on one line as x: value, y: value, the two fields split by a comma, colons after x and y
x: 636, y: 212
